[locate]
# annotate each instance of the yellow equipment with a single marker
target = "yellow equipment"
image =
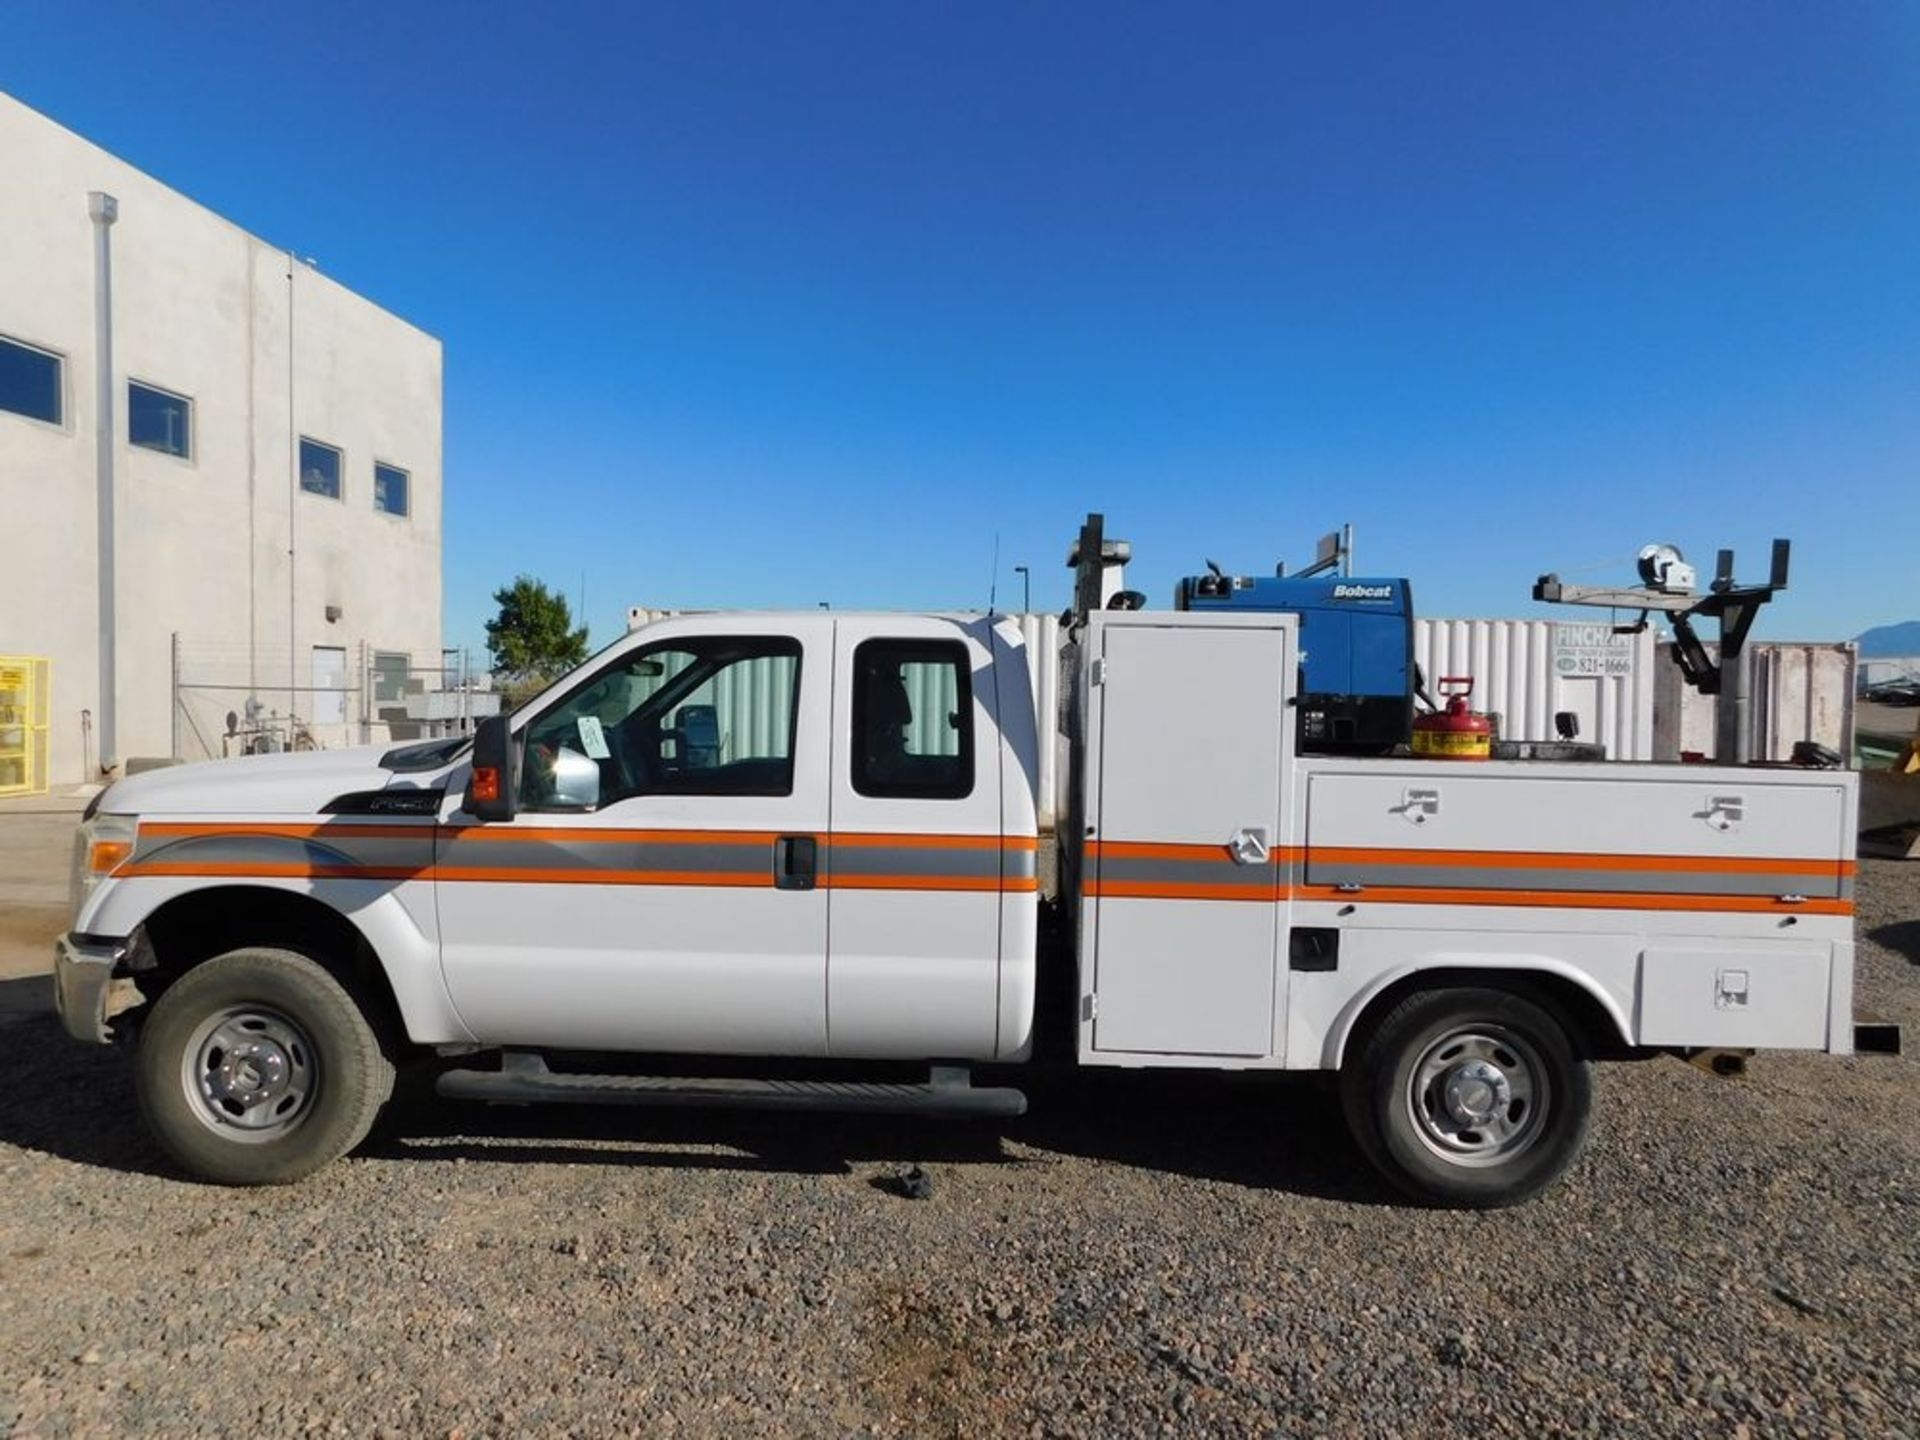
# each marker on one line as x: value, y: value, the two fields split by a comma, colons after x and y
x: 25, y: 702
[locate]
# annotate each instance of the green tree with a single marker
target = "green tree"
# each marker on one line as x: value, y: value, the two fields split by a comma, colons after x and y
x: 532, y: 639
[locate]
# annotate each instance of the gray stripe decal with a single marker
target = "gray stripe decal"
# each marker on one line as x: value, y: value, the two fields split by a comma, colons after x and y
x: 1652, y: 882
x: 562, y: 856
x: 585, y: 854
x: 1134, y: 869
x: 971, y: 863
x: 242, y: 849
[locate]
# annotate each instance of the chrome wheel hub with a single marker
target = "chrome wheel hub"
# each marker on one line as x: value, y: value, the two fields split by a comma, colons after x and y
x: 1477, y: 1092
x: 250, y: 1072
x: 1478, y: 1095
x: 253, y: 1073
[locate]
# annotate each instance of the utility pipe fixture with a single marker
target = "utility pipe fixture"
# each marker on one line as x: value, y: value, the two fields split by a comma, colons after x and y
x: 103, y: 210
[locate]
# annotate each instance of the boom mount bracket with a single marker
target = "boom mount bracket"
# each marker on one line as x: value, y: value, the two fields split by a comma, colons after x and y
x: 1731, y: 605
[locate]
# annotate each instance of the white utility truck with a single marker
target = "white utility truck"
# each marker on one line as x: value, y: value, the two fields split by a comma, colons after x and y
x: 852, y: 878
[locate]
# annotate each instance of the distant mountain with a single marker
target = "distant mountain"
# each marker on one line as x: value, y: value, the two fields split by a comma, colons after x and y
x: 1901, y: 639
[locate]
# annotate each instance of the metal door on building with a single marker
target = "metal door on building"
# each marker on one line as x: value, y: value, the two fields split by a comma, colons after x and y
x: 329, y: 705
x: 25, y: 702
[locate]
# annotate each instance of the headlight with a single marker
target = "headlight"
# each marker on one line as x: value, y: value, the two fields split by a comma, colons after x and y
x: 100, y: 846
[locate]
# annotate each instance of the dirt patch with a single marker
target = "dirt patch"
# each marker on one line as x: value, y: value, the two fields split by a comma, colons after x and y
x: 27, y: 933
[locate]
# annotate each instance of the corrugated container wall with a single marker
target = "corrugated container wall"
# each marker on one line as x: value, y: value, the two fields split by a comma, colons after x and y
x: 1526, y: 671
x: 1796, y: 691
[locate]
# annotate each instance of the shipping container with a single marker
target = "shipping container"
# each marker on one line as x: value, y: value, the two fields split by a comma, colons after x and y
x: 1797, y: 691
x: 1527, y: 671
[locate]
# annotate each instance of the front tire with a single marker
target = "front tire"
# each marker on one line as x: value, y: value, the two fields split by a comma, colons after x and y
x: 258, y: 1068
x: 1471, y: 1098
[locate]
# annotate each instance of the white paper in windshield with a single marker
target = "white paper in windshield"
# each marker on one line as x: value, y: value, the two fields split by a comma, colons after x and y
x: 593, y: 739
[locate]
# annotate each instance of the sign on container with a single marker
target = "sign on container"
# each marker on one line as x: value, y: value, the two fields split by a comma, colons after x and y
x: 1585, y: 649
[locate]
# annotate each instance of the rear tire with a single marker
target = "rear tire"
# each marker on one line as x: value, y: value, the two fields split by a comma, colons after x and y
x: 258, y: 1067
x: 1472, y: 1098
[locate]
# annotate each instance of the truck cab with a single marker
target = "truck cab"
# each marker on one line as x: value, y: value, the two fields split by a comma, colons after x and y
x: 691, y: 809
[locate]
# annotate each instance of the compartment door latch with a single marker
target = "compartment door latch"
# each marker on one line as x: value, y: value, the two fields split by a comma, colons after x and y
x: 1249, y: 846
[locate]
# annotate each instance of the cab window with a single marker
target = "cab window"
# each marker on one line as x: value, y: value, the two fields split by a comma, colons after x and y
x: 912, y: 720
x: 707, y: 715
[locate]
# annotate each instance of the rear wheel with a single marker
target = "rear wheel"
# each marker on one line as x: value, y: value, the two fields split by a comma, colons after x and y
x: 258, y: 1068
x: 1469, y: 1097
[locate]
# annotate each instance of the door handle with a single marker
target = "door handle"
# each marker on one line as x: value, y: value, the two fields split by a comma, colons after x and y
x: 796, y: 861
x: 1249, y: 846
x: 1724, y: 812
x: 1417, y: 804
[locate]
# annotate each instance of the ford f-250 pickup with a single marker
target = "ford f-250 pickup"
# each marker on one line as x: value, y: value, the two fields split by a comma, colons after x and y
x: 850, y: 877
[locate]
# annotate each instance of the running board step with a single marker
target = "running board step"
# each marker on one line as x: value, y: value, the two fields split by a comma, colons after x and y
x: 524, y: 1078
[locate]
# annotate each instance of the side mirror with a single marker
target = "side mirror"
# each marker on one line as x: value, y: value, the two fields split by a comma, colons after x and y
x: 491, y: 787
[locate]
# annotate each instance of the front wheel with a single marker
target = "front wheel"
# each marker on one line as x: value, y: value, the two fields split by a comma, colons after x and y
x: 1469, y: 1097
x: 258, y: 1068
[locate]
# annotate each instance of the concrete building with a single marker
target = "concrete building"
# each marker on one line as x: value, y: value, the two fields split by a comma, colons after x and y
x: 274, y: 448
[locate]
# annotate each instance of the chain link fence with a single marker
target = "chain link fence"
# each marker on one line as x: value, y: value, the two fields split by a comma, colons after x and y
x: 232, y: 699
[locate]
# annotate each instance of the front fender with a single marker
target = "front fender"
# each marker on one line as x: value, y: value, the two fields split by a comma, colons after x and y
x: 396, y: 918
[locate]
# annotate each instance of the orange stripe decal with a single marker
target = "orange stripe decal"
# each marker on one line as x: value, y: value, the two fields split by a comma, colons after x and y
x: 1154, y: 850
x: 1570, y: 899
x: 1569, y: 860
x: 858, y: 840
x: 246, y: 829
x: 268, y: 870
x: 1175, y: 890
x: 1015, y: 884
x: 551, y: 834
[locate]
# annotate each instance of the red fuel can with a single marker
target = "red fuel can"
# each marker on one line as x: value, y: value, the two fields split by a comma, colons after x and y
x: 1456, y: 732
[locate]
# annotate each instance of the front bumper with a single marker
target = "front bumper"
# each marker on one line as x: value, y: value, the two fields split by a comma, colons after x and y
x: 83, y: 967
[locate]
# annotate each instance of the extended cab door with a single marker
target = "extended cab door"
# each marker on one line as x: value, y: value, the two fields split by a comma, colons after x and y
x: 918, y: 865
x: 658, y: 888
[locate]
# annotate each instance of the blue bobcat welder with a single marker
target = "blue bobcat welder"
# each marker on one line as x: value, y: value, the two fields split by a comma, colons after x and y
x: 1356, y: 651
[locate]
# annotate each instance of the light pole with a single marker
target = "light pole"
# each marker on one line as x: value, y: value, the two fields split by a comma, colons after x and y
x: 1026, y: 589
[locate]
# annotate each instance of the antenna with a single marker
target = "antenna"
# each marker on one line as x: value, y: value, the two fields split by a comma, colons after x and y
x: 993, y: 584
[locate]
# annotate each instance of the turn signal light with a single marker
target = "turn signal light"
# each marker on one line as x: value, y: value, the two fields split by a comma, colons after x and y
x: 486, y: 784
x: 104, y: 855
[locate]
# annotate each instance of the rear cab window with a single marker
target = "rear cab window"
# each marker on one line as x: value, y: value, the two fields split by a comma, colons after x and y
x: 912, y: 720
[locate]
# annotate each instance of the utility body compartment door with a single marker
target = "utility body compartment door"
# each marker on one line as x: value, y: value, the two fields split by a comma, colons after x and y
x: 1181, y: 904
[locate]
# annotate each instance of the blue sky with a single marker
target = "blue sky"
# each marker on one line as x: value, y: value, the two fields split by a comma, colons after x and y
x: 775, y: 304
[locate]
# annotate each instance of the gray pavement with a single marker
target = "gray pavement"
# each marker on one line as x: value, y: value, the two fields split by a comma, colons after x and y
x: 36, y: 845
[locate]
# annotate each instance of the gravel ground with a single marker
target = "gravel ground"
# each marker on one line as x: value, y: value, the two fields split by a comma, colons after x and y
x: 1732, y: 1258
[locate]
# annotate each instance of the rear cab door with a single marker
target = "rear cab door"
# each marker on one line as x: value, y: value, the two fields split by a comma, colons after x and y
x: 918, y: 866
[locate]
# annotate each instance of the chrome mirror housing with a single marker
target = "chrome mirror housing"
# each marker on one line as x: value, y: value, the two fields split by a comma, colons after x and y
x: 576, y: 781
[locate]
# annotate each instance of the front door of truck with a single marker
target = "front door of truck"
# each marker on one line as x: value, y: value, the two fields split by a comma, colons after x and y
x: 657, y: 888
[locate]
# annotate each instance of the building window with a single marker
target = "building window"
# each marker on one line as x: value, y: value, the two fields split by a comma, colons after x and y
x: 390, y: 671
x: 319, y: 469
x: 159, y: 420
x: 30, y: 381
x: 390, y: 489
x: 912, y: 720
